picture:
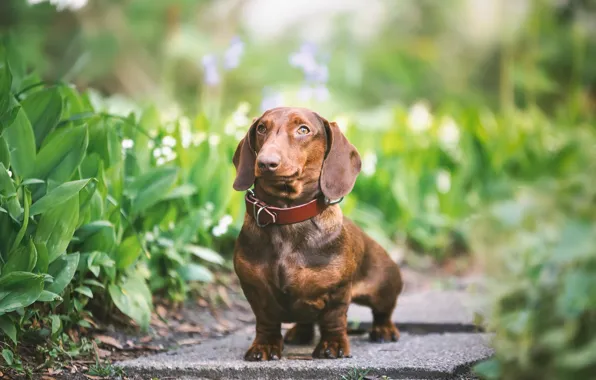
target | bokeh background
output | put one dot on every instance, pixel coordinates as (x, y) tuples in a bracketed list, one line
[(474, 119)]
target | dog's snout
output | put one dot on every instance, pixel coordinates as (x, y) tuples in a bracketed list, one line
[(268, 162)]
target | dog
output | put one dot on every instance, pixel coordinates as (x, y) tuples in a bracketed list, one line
[(297, 257)]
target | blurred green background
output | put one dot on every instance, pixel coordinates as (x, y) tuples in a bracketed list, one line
[(474, 119)]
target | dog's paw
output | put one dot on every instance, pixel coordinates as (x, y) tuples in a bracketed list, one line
[(384, 333), (262, 352), (336, 348), (300, 335)]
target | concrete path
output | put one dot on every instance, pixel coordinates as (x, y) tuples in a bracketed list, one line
[(438, 342)]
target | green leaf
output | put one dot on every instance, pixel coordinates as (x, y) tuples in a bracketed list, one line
[(128, 252), (22, 259), (32, 181), (19, 289), (196, 272), (44, 109), (8, 190), (9, 328), (133, 298), (205, 254), (9, 117), (56, 324), (63, 271), (56, 227), (8, 356), (182, 191), (21, 233), (4, 153), (94, 283), (43, 259), (489, 369), (84, 290), (59, 158), (21, 142), (58, 196), (5, 88), (97, 236), (47, 296), (150, 188)]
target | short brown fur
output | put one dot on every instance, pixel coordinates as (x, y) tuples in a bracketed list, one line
[(307, 272)]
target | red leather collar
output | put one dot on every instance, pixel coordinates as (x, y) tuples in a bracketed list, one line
[(265, 214)]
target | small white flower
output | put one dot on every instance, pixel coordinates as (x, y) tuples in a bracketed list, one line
[(214, 140), (226, 220), (419, 117), (9, 173), (449, 133), (209, 206), (160, 161), (443, 181), (166, 151), (369, 164), (169, 141), (219, 230), (127, 144), (157, 152)]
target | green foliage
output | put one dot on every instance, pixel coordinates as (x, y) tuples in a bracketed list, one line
[(544, 305), (79, 212)]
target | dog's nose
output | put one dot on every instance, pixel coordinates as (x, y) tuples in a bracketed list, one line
[(269, 162)]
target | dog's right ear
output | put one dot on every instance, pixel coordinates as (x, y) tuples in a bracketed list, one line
[(244, 161)]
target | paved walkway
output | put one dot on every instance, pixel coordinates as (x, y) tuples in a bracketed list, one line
[(438, 341)]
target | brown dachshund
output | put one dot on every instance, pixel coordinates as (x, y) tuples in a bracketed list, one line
[(297, 257)]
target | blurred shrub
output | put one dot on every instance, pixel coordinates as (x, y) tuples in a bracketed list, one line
[(542, 248)]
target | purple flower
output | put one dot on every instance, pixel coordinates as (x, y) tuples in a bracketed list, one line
[(233, 54), (316, 73), (321, 93), (211, 75)]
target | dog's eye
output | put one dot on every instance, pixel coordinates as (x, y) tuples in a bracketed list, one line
[(303, 130), (261, 129)]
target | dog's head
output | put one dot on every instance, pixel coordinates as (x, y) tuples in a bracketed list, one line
[(292, 151)]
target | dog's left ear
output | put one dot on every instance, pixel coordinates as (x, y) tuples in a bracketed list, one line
[(342, 163), (244, 161)]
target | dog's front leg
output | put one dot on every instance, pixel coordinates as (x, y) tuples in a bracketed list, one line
[(268, 342), (334, 343)]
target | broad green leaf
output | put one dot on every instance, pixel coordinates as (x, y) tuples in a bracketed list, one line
[(56, 324), (58, 159), (97, 236), (19, 289), (21, 233), (8, 356), (58, 196), (9, 328), (63, 271), (94, 283), (43, 259), (133, 298), (104, 140), (150, 188), (47, 296), (196, 272), (9, 117), (22, 259), (4, 153), (128, 252), (5, 88), (43, 109), (32, 181), (205, 253), (84, 290), (182, 191), (56, 227), (8, 190), (21, 143)]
